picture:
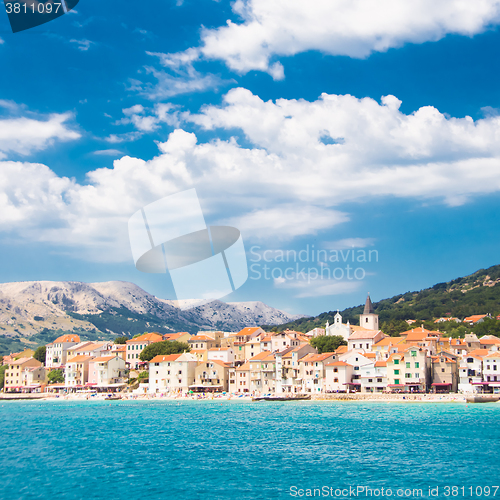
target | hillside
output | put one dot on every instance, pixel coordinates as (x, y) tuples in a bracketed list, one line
[(36, 312), (478, 293)]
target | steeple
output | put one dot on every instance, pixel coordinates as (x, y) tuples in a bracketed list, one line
[(369, 319), (368, 306)]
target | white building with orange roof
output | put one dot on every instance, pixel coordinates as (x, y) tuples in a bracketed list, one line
[(358, 359), (471, 371), (364, 339), (107, 371), (312, 370), (338, 328), (285, 339), (373, 376), (119, 350), (57, 351), (263, 372), (242, 379), (476, 318), (77, 371), (490, 342), (224, 354), (338, 376), (136, 345), (172, 373), (266, 342), (491, 371)]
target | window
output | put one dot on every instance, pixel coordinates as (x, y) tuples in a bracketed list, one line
[(396, 361), (335, 370), (396, 381), (336, 380), (417, 364), (407, 375), (407, 364), (396, 372), (370, 380), (379, 380), (413, 353), (442, 370)]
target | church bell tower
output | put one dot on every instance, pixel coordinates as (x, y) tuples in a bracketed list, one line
[(369, 319)]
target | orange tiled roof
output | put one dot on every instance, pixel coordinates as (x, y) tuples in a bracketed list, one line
[(147, 337), (380, 363), (70, 337), (475, 317), (364, 334), (80, 359), (165, 357), (388, 341), (248, 330), (489, 340), (103, 359), (479, 352), (201, 338)]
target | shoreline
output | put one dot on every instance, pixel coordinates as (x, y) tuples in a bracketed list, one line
[(343, 397)]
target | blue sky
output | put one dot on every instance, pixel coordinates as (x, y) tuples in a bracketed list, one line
[(343, 126)]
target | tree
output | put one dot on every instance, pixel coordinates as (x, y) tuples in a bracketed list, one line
[(55, 377), (327, 343), (2, 375), (162, 349), (121, 340), (40, 354)]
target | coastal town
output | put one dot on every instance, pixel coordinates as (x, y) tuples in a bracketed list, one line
[(255, 362)]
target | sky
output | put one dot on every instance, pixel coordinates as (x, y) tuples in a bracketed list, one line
[(355, 144)]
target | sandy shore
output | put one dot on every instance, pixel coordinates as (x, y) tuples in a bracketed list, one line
[(387, 398)]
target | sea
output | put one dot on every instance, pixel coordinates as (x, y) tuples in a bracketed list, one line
[(137, 450)]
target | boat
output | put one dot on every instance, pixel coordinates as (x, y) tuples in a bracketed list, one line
[(299, 397), (483, 398), (113, 398)]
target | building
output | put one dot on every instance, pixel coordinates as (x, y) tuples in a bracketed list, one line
[(136, 345), (107, 371), (409, 370), (369, 319), (211, 376), (14, 374), (338, 375), (76, 374), (57, 351), (338, 328), (172, 373), (444, 372), (224, 354), (312, 370)]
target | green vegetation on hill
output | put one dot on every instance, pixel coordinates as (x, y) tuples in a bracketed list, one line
[(478, 293), (125, 322)]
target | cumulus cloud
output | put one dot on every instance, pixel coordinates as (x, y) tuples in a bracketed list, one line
[(24, 135), (287, 184), (354, 28)]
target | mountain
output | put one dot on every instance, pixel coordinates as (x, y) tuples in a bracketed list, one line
[(36, 312), (478, 293)]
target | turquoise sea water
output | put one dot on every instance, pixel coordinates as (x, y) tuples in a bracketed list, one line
[(234, 450)]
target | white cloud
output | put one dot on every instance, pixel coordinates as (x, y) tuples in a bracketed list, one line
[(108, 152), (181, 76), (312, 286), (354, 28), (23, 135), (288, 184), (82, 45), (1, 41), (286, 221)]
